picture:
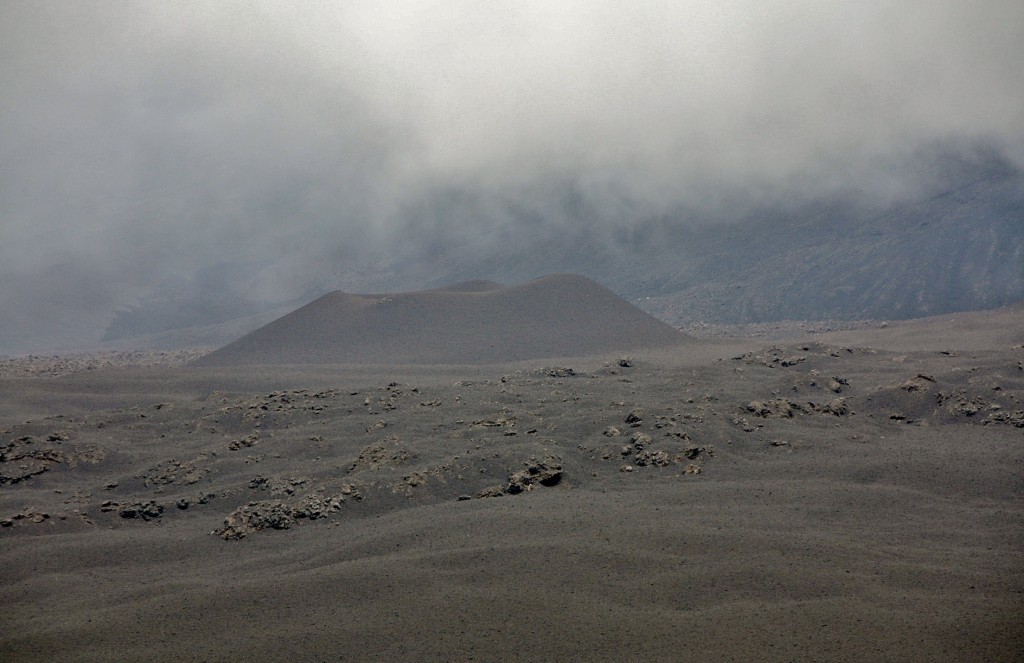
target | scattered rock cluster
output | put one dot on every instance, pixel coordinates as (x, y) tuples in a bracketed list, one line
[(277, 485), (66, 364), (919, 382), (773, 357), (640, 454), (177, 472), (144, 510), (22, 459), (28, 515), (558, 372), (257, 516), (1015, 419), (546, 472), (28, 456), (388, 452), (244, 443), (786, 408), (253, 517), (648, 427)]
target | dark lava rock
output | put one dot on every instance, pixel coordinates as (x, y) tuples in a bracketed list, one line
[(315, 506), (244, 443), (1015, 419), (640, 440), (547, 472), (759, 408), (836, 406), (146, 511), (645, 457), (253, 517)]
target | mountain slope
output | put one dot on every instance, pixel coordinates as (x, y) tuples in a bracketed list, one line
[(959, 251), (476, 322)]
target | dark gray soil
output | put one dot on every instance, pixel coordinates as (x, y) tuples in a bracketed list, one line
[(834, 498)]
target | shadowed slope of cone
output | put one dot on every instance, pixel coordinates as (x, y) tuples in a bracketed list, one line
[(474, 322)]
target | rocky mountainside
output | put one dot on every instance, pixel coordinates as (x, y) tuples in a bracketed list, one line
[(957, 251)]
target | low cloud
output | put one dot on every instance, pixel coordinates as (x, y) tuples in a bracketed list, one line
[(143, 142)]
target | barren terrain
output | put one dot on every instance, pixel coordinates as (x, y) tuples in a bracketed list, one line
[(851, 495)]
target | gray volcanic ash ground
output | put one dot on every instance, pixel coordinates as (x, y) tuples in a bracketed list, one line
[(853, 495)]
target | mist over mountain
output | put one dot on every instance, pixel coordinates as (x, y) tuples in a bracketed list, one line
[(960, 249), (208, 167), (957, 246)]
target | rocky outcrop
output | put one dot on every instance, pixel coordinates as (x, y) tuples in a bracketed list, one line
[(546, 472)]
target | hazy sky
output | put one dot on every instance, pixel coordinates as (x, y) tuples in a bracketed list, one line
[(143, 141)]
